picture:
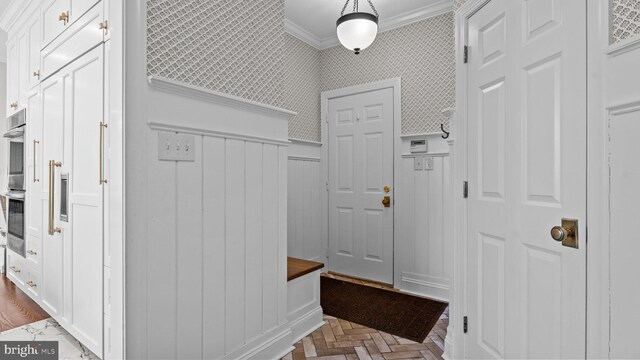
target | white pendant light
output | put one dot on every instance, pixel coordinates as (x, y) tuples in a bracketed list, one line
[(357, 30)]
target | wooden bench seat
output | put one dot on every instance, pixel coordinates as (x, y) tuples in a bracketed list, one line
[(299, 267)]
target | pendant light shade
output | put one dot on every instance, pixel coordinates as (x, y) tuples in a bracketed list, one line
[(357, 30)]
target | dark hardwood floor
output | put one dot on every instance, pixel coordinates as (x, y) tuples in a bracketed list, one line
[(16, 308)]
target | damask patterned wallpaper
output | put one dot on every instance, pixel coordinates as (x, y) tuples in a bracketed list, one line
[(625, 20), (422, 54), (302, 88), (209, 44)]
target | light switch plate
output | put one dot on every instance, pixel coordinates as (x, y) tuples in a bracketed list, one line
[(418, 163), (176, 146), (428, 163)]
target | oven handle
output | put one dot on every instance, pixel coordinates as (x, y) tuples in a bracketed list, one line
[(15, 133), (52, 166)]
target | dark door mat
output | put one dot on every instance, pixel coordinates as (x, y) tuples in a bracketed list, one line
[(399, 314)]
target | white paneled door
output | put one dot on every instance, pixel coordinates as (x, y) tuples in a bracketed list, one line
[(360, 163), (526, 171)]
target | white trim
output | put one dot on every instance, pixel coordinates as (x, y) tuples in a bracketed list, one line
[(214, 133), (427, 154), (623, 46), (300, 33), (305, 142), (12, 14), (396, 84), (204, 94), (304, 158), (420, 136), (628, 107), (394, 22)]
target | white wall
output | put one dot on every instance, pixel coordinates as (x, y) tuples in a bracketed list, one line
[(205, 240), (422, 202), (305, 235)]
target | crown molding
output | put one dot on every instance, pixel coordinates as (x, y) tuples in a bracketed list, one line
[(400, 20), (12, 13), (297, 31)]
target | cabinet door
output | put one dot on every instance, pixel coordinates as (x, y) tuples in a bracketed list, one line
[(12, 76), (83, 230), (79, 7), (23, 67), (34, 52), (53, 100), (33, 178), (56, 16)]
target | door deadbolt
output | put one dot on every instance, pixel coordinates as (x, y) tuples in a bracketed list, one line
[(567, 233)]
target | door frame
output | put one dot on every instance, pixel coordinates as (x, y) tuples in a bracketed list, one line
[(325, 96), (596, 332)]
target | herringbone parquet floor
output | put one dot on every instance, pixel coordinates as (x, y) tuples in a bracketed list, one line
[(342, 340)]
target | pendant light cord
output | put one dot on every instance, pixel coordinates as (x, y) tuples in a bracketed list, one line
[(356, 7)]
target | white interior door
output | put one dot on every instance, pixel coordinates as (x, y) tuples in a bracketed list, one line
[(526, 171), (360, 162)]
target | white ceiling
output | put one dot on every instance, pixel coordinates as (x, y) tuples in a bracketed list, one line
[(314, 21)]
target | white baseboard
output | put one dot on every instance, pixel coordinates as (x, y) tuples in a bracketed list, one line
[(273, 345), (448, 348), (306, 324)]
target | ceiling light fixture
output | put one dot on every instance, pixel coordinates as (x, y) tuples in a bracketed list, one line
[(357, 30)]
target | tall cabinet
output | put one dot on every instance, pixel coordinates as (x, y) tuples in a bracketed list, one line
[(57, 72)]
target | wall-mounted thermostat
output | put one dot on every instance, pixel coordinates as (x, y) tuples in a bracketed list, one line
[(419, 146)]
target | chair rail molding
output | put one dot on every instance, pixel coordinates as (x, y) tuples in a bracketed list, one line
[(204, 94)]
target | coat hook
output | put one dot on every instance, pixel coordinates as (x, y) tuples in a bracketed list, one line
[(446, 133)]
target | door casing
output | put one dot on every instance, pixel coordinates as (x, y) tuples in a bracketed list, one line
[(396, 84)]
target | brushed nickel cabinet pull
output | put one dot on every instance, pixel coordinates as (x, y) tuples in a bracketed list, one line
[(31, 283), (31, 252), (14, 269)]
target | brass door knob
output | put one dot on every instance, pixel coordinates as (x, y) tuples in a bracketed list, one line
[(558, 233), (567, 233), (387, 189), (386, 201)]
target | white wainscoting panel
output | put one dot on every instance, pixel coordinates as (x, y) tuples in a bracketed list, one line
[(305, 235), (422, 254), (206, 264)]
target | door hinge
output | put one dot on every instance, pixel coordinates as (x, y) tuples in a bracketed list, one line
[(327, 186), (465, 190), (327, 252), (465, 57), (465, 324)]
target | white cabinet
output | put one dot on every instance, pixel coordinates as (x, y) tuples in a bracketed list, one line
[(33, 179), (51, 295), (35, 42), (56, 70), (73, 116), (58, 15), (12, 76)]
